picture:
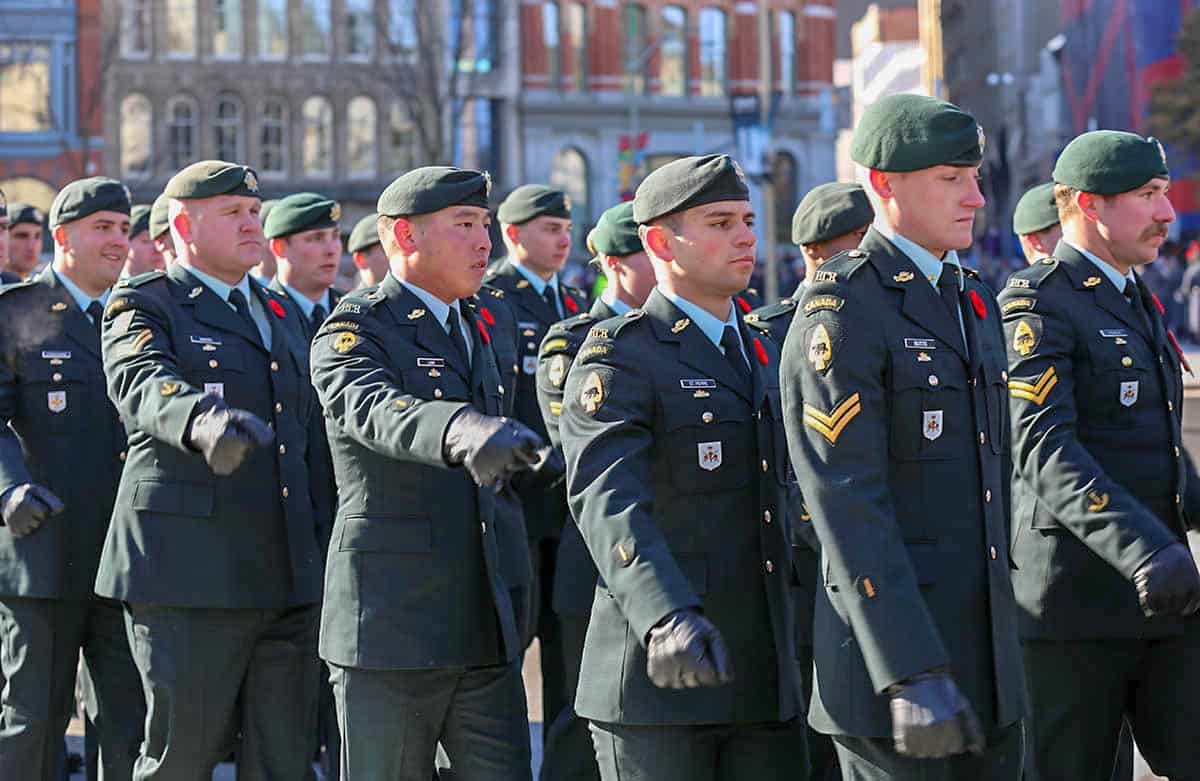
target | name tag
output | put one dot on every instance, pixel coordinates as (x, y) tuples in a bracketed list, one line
[(696, 384), (56, 355), (1113, 333), (431, 363), (214, 389), (527, 324), (920, 344), (204, 340)]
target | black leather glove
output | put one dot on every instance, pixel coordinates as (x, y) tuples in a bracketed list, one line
[(491, 448), (547, 473), (1168, 584), (26, 506), (932, 719), (225, 436), (686, 651)]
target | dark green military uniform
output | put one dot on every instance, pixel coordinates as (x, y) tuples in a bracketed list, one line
[(1102, 483), (57, 417), (220, 575), (417, 620)]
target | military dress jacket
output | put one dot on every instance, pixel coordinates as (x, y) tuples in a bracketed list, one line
[(1102, 481), (545, 508), (675, 476), (181, 535), (575, 574), (310, 328), (899, 438), (60, 432), (413, 577)]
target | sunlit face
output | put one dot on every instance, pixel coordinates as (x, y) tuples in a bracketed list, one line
[(712, 247), (544, 244), (143, 255), (225, 233), (636, 273), (24, 248), (451, 251), (96, 248), (935, 207), (1134, 224), (311, 258)]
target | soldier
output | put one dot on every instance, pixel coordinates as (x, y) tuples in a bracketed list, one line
[(535, 222), (417, 621), (668, 412), (160, 230), (213, 545), (57, 417), (1035, 221), (306, 243), (143, 254), (25, 224), (264, 272), (1103, 490), (367, 252), (830, 219), (6, 277), (619, 252), (893, 386)]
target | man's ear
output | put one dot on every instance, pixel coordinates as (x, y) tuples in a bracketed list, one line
[(880, 183), (360, 260), (183, 226), (513, 232), (278, 246), (1086, 203), (402, 234), (59, 234), (655, 238)]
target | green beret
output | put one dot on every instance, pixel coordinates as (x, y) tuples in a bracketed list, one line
[(19, 212), (533, 200), (433, 188), (139, 219), (264, 210), (1036, 211), (829, 211), (688, 182), (3, 204), (1108, 162), (160, 216), (210, 178), (301, 212), (84, 197), (616, 233), (364, 234), (911, 132)]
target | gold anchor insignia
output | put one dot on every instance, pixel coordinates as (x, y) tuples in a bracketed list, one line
[(416, 314), (680, 324), (904, 276)]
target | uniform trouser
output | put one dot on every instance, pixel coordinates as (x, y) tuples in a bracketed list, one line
[(555, 696), (718, 752), (875, 759), (392, 720), (327, 728), (822, 758), (569, 754), (1081, 691), (208, 672), (40, 641)]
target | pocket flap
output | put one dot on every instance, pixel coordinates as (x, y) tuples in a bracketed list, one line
[(386, 534), (173, 498)]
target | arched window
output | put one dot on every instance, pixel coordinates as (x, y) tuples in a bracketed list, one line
[(360, 138), (181, 131), (318, 138), (713, 78), (181, 28), (569, 172), (673, 51), (783, 175), (227, 129), (136, 147), (272, 138), (401, 135)]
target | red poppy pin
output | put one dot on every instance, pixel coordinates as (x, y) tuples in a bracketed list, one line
[(743, 304), (483, 332), (277, 308), (978, 305), (572, 307), (761, 352), (487, 316)]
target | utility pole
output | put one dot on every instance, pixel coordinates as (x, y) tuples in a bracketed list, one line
[(766, 72)]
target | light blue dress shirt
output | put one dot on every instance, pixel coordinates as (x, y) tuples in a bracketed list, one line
[(928, 264), (306, 304), (257, 313), (618, 306), (710, 326), (441, 310), (1110, 273), (82, 298), (539, 284)]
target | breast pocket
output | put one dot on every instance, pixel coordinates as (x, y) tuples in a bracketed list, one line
[(709, 444), (61, 397), (210, 370), (435, 384), (1118, 384), (927, 397)]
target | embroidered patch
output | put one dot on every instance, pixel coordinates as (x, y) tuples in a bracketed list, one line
[(344, 342), (1129, 393), (1096, 501), (591, 395), (342, 325), (931, 424), (168, 388), (710, 455), (1017, 305), (823, 304), (557, 372), (1018, 282), (832, 425), (56, 401), (1027, 335), (825, 276), (820, 350), (1034, 391)]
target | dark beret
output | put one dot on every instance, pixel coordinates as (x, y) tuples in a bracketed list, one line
[(160, 216), (530, 201), (689, 182), (139, 219), (911, 132), (301, 212), (3, 204), (264, 210), (1036, 211), (364, 235), (84, 197), (210, 178), (829, 211), (616, 233), (433, 188), (19, 212), (1108, 162)]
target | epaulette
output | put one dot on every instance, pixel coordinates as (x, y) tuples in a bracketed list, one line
[(571, 323), (608, 329), (359, 302), (785, 306), (564, 336), (757, 325), (843, 265), (1031, 277), (970, 273), (17, 285), (141, 279), (494, 292)]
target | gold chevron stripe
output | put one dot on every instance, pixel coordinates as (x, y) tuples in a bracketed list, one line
[(831, 426), (1035, 392)]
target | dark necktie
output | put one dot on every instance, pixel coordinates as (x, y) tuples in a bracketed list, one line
[(549, 294), (317, 317), (95, 311), (733, 354), (1134, 297), (456, 336), (948, 292), (243, 308)]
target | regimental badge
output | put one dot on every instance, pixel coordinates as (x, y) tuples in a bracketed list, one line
[(737, 169), (982, 138), (487, 183), (931, 425), (251, 181), (820, 349), (335, 212), (214, 389), (823, 303), (521, 285), (904, 276), (56, 401), (196, 291), (567, 201), (1025, 338), (558, 370), (416, 314), (1161, 152), (1129, 393), (825, 276), (709, 455), (591, 395), (529, 364), (344, 342), (923, 357), (680, 325), (1096, 501), (58, 306), (168, 388), (832, 424), (1091, 281)]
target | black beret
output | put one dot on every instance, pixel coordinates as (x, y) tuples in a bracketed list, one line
[(433, 188), (19, 212), (829, 211), (301, 212), (530, 201), (1036, 211), (1108, 162), (84, 197), (160, 216), (139, 219), (210, 178), (911, 132), (364, 235), (688, 182), (616, 233)]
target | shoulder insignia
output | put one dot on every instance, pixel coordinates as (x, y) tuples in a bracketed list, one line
[(557, 371), (495, 292), (758, 325), (769, 312), (142, 279), (1092, 281), (597, 333), (167, 388), (1018, 282), (116, 306), (141, 340), (824, 303), (680, 324), (970, 272), (904, 276), (1027, 335), (1034, 391), (348, 306), (553, 345), (845, 264), (341, 325), (1097, 501), (595, 351), (832, 425), (825, 276), (344, 342), (524, 283), (856, 253), (1018, 305), (592, 393), (751, 318), (820, 349)]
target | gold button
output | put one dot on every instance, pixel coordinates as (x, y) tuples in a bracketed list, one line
[(1177, 499), (1170, 406), (764, 465), (1177, 451), (282, 449), (483, 527), (274, 366), (982, 438), (766, 516), (1127, 361), (285, 492), (532, 346), (1004, 376), (213, 364), (993, 552), (987, 495), (501, 389), (57, 377), (707, 417), (437, 393), (278, 407), (933, 380), (770, 566), (121, 455)]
